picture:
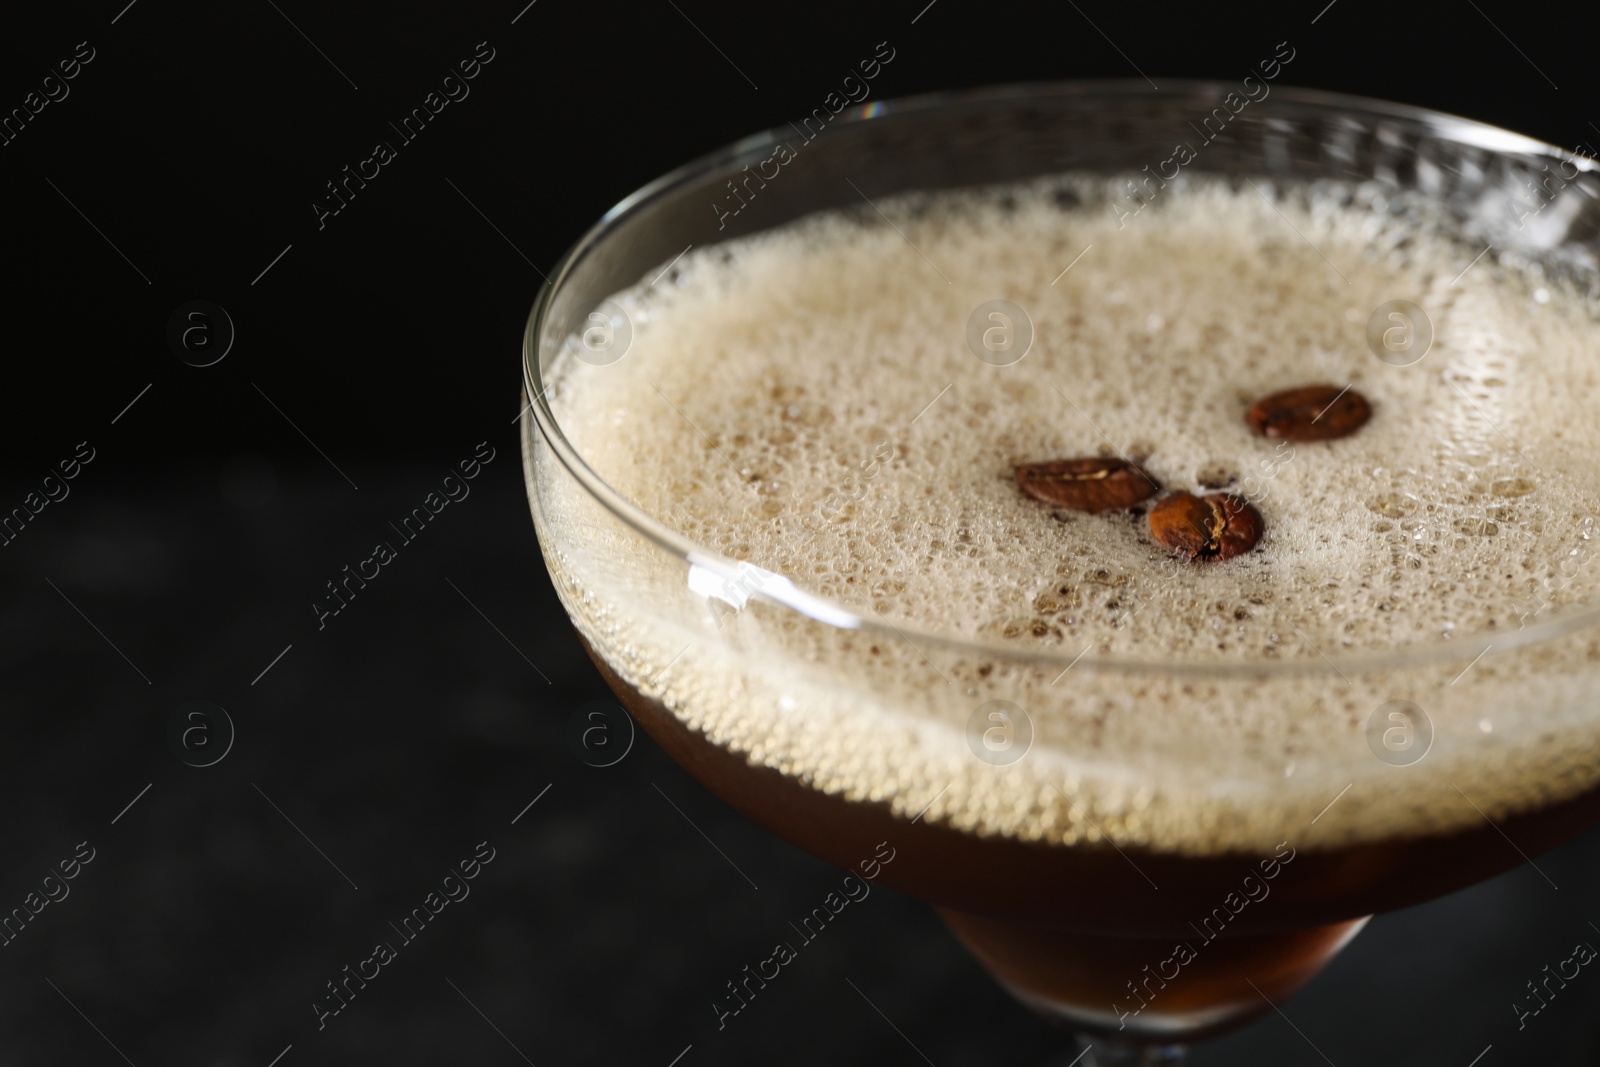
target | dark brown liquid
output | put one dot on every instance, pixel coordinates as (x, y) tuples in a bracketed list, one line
[(1086, 932)]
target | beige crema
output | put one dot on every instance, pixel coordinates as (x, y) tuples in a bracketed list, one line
[(807, 401)]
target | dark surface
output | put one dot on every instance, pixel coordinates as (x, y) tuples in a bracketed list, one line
[(376, 353)]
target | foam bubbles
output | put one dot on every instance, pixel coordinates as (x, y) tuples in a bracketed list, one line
[(804, 400), (808, 401)]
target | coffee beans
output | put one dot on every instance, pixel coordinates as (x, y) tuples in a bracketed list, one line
[(1216, 526), (1088, 484), (1310, 413)]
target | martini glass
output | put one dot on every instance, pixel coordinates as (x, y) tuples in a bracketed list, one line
[(789, 704)]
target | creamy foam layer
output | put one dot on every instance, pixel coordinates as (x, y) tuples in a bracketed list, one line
[(807, 401)]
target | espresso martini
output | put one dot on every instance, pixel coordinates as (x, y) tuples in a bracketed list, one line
[(1080, 740)]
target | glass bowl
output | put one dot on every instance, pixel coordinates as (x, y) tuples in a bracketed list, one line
[(1072, 861)]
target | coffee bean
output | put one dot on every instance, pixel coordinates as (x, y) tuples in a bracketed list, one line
[(1087, 484), (1310, 413), (1215, 526)]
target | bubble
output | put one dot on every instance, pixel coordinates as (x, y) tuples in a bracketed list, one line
[(1511, 487), (999, 333), (999, 732), (1477, 526), (1399, 733), (1392, 505)]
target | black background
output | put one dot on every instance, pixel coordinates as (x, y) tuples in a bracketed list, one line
[(425, 717)]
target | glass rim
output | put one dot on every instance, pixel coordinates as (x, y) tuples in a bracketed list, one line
[(1461, 130)]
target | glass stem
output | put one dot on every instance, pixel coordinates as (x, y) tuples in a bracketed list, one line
[(1105, 1052)]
